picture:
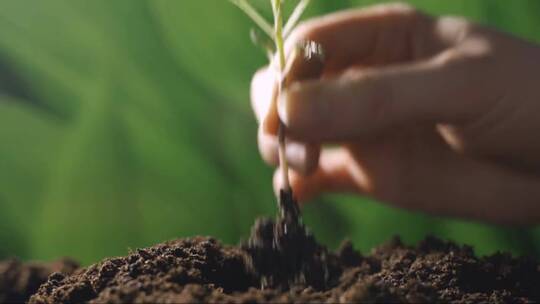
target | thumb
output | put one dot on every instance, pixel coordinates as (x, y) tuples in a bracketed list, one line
[(447, 88)]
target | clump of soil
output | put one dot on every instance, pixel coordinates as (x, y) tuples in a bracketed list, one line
[(18, 280), (282, 262), (284, 254)]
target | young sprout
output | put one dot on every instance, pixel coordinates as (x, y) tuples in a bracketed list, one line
[(277, 8), (277, 33)]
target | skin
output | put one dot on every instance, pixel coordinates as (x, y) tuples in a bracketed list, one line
[(438, 115)]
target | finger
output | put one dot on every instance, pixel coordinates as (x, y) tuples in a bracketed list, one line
[(262, 90), (474, 190), (334, 174), (379, 34), (467, 189), (368, 101), (416, 170), (301, 157)]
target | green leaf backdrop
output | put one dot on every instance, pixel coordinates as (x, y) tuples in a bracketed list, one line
[(124, 123)]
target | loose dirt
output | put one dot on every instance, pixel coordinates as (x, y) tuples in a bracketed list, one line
[(282, 262)]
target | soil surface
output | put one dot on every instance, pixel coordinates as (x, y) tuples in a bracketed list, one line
[(200, 270), (281, 262), (18, 280)]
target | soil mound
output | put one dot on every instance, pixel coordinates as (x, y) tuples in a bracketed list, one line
[(202, 270), (282, 262), (18, 280)]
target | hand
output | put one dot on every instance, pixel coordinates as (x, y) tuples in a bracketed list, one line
[(433, 114)]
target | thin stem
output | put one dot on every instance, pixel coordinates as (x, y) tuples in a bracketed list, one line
[(255, 16), (280, 47), (278, 33), (295, 17)]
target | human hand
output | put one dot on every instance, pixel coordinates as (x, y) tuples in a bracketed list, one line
[(431, 114)]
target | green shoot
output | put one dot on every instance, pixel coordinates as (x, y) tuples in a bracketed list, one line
[(277, 33)]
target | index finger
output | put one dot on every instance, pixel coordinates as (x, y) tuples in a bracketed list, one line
[(381, 34)]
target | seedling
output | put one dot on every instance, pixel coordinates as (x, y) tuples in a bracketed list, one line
[(273, 44)]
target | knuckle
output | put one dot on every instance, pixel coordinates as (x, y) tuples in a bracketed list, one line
[(403, 8), (398, 9), (392, 7), (267, 150), (457, 22), (269, 157), (452, 30)]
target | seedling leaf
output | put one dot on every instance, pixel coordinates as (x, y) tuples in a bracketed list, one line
[(252, 13), (295, 17)]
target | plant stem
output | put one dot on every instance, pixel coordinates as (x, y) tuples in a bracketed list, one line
[(280, 48)]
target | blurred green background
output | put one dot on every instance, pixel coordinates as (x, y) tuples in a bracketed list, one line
[(124, 123)]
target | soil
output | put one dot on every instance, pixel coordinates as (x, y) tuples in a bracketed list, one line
[(284, 254), (201, 270), (18, 280), (282, 262)]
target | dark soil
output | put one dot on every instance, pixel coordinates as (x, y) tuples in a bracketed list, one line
[(282, 262), (18, 280), (284, 254)]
